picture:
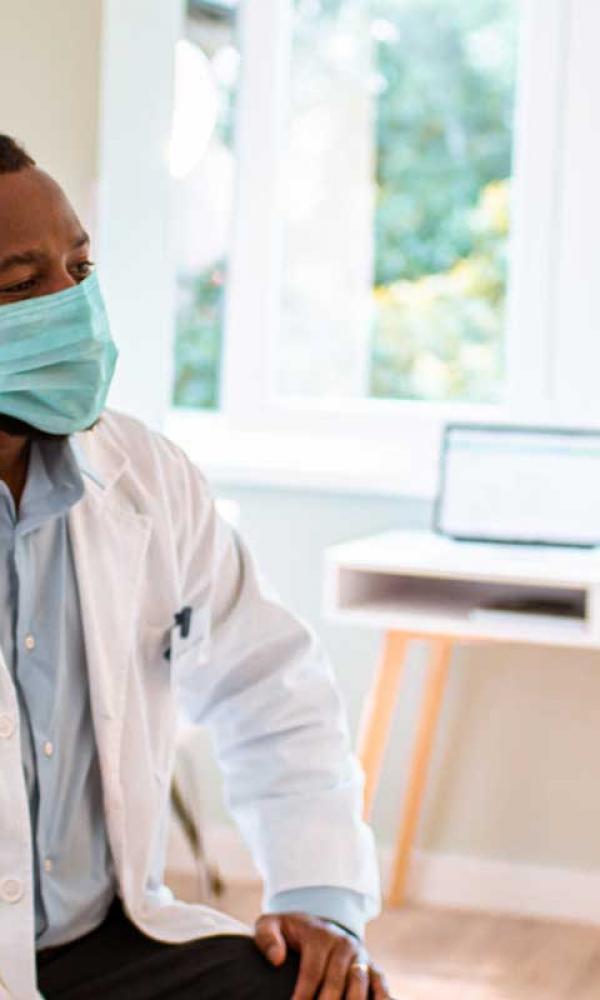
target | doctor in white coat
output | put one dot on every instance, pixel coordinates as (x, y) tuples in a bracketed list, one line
[(123, 594)]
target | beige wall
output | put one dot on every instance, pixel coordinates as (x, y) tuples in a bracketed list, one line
[(49, 88)]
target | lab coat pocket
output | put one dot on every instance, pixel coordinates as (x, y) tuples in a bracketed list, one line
[(172, 657), (189, 639)]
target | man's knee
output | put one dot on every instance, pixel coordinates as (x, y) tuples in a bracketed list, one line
[(231, 967), (266, 981)]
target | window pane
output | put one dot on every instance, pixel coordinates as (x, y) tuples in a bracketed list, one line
[(398, 171), (202, 165)]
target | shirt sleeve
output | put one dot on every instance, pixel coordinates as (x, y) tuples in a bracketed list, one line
[(344, 907)]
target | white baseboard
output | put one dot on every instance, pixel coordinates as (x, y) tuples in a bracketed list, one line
[(455, 881), (502, 887)]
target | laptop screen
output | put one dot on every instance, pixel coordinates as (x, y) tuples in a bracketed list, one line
[(520, 485)]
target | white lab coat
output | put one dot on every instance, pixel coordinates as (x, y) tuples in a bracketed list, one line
[(146, 544)]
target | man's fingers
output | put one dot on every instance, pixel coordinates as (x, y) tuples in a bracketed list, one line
[(336, 973), (379, 986), (358, 982), (269, 938), (313, 962), (341, 977)]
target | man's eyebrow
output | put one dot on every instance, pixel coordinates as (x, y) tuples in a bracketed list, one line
[(27, 257), (80, 241)]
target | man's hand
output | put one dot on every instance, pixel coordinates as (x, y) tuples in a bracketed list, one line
[(333, 965)]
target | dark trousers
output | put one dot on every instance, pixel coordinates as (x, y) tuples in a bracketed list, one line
[(117, 962)]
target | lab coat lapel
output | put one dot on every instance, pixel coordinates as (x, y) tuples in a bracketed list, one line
[(109, 544)]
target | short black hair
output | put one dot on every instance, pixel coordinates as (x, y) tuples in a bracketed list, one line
[(12, 156)]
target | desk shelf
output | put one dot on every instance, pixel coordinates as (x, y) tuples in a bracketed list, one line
[(417, 582)]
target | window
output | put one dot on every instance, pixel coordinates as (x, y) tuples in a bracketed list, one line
[(408, 218), (397, 170), (203, 167)]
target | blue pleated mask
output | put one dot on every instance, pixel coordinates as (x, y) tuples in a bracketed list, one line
[(57, 359)]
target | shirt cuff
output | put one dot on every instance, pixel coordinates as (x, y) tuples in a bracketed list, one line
[(342, 906)]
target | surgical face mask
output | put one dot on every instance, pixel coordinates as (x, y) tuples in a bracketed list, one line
[(57, 359)]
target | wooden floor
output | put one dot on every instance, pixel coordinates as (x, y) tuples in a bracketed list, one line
[(434, 954)]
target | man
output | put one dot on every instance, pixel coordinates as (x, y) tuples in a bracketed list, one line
[(122, 590)]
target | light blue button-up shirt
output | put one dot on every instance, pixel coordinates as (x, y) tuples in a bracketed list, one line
[(42, 641), (41, 636)]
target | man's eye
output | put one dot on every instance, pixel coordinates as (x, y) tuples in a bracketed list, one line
[(84, 269), (23, 286)]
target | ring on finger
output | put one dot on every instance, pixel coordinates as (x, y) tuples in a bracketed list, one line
[(362, 967)]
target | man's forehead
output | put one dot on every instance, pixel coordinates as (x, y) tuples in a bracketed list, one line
[(34, 212)]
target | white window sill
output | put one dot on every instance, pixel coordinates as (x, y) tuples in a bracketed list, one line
[(282, 459)]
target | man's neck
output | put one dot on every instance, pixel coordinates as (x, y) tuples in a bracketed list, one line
[(14, 461)]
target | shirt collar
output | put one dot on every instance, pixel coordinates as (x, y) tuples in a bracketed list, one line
[(53, 486)]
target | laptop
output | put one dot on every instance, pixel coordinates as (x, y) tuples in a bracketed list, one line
[(520, 485)]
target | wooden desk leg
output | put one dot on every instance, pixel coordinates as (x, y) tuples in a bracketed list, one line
[(437, 672), (379, 710)]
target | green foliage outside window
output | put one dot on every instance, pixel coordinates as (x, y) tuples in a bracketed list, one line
[(198, 340), (440, 336), (444, 93), (444, 139)]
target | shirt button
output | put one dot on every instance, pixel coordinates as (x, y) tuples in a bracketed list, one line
[(48, 865), (7, 726), (29, 643), (11, 890), (48, 748)]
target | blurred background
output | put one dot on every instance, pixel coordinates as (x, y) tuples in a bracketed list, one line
[(325, 228)]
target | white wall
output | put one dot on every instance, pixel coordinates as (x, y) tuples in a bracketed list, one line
[(578, 270)]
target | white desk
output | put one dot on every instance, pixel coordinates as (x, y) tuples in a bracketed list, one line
[(418, 585)]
